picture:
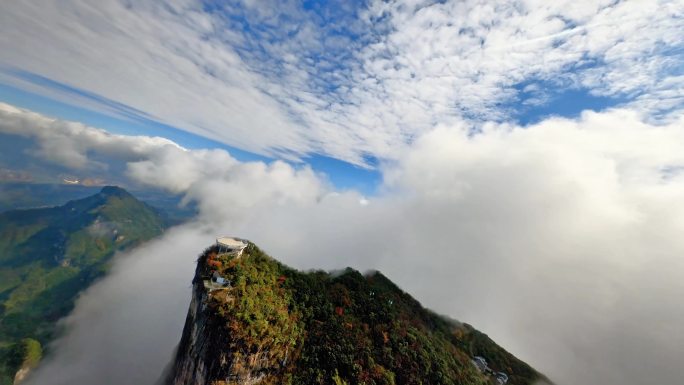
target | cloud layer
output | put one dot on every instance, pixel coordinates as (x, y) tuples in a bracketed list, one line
[(346, 80), (561, 240)]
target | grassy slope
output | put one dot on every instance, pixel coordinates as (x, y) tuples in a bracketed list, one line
[(48, 255), (344, 328)]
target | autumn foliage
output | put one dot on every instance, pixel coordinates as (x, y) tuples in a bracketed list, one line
[(316, 328)]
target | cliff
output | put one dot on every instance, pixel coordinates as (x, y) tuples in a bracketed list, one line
[(204, 353), (253, 320), (194, 359)]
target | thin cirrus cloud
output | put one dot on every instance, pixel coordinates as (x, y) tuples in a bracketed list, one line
[(349, 80)]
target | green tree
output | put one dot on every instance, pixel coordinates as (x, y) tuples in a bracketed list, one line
[(25, 354)]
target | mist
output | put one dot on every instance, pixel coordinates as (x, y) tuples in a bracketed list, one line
[(561, 240), (125, 326)]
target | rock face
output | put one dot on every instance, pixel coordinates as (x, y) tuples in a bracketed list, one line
[(255, 321), (191, 361), (21, 375), (205, 352)]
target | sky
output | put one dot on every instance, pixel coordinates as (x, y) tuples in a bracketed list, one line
[(513, 164), (348, 80)]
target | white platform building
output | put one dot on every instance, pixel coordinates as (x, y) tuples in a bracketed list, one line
[(230, 245)]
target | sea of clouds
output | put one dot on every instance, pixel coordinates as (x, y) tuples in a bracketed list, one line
[(562, 240)]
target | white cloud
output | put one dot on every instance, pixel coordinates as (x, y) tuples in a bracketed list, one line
[(297, 82), (68, 143), (562, 240), (213, 178), (151, 58)]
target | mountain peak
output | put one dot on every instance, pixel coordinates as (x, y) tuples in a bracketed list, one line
[(115, 191), (253, 320)]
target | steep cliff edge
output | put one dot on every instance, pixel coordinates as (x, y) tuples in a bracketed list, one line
[(253, 320), (190, 365), (205, 350)]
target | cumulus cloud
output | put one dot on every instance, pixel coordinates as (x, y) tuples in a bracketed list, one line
[(341, 80), (69, 143), (224, 187), (212, 178), (561, 240)]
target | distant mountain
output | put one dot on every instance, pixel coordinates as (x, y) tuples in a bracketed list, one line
[(49, 255), (253, 321), (15, 196)]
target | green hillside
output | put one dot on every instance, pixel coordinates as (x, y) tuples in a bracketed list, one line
[(290, 327), (49, 255)]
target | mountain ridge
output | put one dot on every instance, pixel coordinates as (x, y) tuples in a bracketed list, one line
[(266, 323), (27, 196), (49, 255)]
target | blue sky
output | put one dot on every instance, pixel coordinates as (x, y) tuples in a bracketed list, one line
[(342, 86)]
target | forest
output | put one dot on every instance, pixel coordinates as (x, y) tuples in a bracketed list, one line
[(341, 327)]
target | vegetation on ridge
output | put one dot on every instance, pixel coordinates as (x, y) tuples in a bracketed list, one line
[(283, 326)]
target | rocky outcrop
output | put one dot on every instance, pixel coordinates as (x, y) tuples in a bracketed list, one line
[(261, 322), (190, 366), (199, 352), (21, 375), (205, 352)]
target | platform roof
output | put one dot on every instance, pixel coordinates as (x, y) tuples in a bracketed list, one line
[(233, 243)]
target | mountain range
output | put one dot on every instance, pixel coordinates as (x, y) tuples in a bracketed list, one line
[(49, 255), (14, 196)]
